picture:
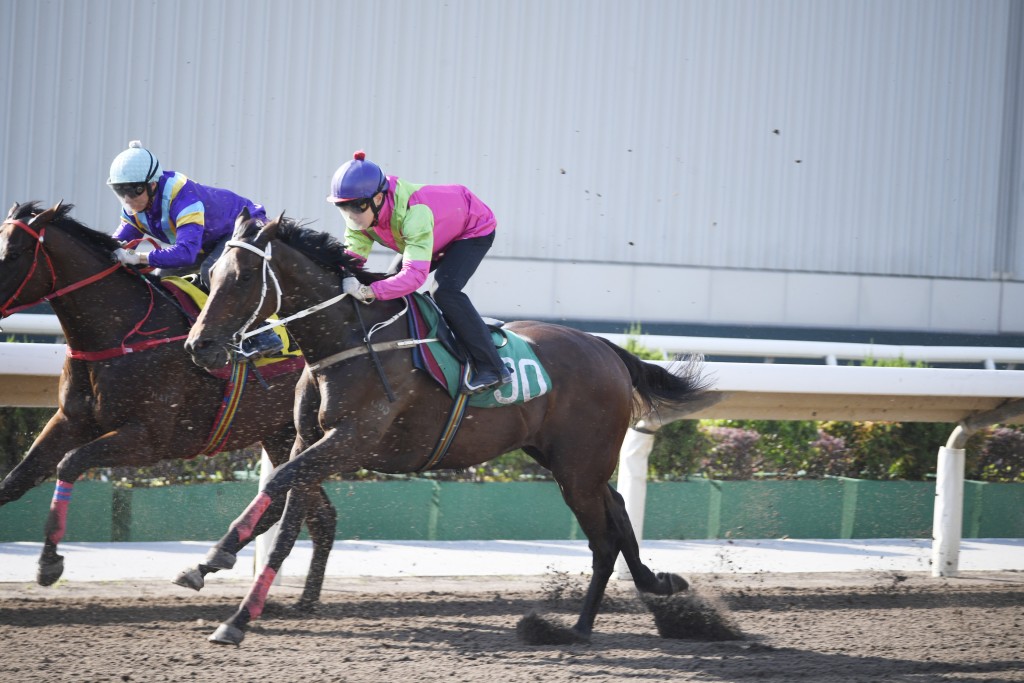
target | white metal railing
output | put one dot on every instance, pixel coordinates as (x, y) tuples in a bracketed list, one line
[(829, 352), (31, 323)]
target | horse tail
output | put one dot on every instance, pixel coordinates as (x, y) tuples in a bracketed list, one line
[(676, 388)]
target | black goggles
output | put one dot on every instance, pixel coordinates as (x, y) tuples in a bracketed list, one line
[(129, 190), (354, 205)]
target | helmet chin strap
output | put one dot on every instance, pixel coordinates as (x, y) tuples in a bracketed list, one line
[(376, 208)]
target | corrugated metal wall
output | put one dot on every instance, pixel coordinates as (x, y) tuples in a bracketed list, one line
[(871, 137)]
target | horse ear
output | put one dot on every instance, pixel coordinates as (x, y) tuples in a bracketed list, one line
[(47, 215), (240, 221), (269, 230), (13, 211)]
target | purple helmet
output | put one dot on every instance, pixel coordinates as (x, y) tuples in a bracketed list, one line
[(357, 179)]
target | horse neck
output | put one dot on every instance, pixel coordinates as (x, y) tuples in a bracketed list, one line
[(304, 284), (101, 313)]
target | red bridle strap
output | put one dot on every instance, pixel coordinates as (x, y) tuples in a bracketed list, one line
[(38, 237), (122, 350)]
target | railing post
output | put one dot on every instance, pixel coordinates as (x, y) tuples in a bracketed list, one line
[(949, 505)]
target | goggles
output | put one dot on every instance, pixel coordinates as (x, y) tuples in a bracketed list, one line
[(128, 190), (353, 206)]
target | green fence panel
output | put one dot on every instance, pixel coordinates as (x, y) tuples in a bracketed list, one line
[(772, 509), (887, 509), (384, 510), (200, 512), (679, 510), (421, 509), (505, 510), (993, 510), (89, 513)]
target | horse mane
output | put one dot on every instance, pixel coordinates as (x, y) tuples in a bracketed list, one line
[(321, 247), (62, 219), (101, 242)]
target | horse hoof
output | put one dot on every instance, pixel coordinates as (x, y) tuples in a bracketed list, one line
[(676, 583), (49, 572), (220, 559), (534, 629), (190, 578), (306, 606), (226, 634)]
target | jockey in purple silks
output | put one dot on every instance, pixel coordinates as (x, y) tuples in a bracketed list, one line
[(445, 228), (194, 221)]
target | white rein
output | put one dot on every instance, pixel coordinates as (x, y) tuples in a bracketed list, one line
[(267, 270)]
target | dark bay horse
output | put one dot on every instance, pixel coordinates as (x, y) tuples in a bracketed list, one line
[(128, 393), (346, 421)]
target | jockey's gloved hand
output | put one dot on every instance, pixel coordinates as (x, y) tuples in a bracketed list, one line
[(130, 257), (352, 287)]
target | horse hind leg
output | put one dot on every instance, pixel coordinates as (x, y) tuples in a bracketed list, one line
[(645, 580), (590, 505)]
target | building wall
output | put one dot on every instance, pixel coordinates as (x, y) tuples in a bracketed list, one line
[(779, 162)]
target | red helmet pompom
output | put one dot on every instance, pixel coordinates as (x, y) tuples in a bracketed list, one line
[(359, 155)]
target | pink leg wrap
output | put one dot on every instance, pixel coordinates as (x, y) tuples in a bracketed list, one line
[(59, 512), (257, 596), (252, 514)]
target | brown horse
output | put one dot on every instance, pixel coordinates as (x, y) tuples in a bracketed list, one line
[(346, 421), (128, 394)]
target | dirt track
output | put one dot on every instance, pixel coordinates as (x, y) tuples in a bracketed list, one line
[(813, 627)]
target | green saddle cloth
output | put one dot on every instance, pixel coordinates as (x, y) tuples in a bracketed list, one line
[(529, 378)]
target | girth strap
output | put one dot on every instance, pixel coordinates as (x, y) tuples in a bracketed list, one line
[(451, 428)]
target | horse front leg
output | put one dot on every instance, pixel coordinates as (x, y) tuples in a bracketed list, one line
[(110, 450), (232, 631), (261, 516)]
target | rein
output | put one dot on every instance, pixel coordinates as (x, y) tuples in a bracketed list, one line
[(370, 348)]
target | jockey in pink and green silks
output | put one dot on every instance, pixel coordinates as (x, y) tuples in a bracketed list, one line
[(442, 227)]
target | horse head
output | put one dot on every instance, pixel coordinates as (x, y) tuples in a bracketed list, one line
[(38, 263), (21, 245), (243, 291)]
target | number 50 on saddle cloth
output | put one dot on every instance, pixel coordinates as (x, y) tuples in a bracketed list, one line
[(529, 378)]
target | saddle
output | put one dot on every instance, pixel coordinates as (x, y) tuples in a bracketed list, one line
[(444, 359)]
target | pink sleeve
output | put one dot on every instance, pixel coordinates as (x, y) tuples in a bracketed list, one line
[(406, 281)]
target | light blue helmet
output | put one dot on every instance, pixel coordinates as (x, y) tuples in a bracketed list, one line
[(134, 165)]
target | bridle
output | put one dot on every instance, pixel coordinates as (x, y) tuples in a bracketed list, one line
[(269, 275), (40, 240)]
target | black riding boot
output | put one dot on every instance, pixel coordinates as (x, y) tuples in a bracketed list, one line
[(489, 370)]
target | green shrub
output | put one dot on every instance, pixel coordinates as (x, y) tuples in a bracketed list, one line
[(679, 449), (18, 429)]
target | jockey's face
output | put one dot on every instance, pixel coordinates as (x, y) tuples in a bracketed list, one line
[(358, 214), (134, 205)]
